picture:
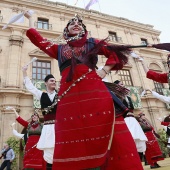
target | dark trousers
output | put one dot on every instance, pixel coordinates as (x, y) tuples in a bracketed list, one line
[(6, 164), (49, 166), (141, 156)]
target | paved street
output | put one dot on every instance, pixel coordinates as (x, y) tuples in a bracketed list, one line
[(165, 165)]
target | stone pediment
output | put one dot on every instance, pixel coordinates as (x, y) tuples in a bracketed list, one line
[(37, 52), (128, 65)]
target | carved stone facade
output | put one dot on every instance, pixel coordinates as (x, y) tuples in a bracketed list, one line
[(16, 50)]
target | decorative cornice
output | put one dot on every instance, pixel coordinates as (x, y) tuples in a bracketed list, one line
[(4, 110), (37, 52), (16, 40), (89, 14)]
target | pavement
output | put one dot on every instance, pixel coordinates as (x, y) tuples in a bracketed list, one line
[(165, 165)]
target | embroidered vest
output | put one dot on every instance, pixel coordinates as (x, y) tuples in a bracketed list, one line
[(65, 53), (34, 130), (45, 102)]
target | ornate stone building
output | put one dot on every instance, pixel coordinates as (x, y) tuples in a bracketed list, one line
[(50, 19)]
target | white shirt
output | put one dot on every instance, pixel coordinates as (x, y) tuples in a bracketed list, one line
[(17, 134), (36, 92), (164, 99)]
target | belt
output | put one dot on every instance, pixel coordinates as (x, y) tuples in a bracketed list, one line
[(49, 122), (67, 64)]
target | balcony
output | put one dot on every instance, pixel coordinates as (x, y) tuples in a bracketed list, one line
[(43, 25)]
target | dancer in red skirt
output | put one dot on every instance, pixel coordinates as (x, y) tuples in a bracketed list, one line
[(121, 151), (33, 157), (84, 118), (153, 152)]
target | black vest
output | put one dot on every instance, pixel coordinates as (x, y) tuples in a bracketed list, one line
[(45, 102)]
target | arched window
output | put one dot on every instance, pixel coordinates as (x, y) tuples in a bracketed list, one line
[(158, 86)]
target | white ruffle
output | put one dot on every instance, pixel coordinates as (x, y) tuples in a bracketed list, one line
[(47, 138), (135, 129), (137, 133)]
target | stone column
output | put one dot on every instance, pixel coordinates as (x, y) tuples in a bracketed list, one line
[(14, 58)]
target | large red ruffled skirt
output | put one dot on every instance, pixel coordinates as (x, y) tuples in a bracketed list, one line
[(83, 122), (123, 154), (153, 152), (33, 157)]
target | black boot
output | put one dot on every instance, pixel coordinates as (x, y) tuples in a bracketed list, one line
[(153, 166), (49, 166), (157, 165)]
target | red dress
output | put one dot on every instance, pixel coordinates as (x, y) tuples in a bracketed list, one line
[(153, 152), (33, 158), (85, 113), (123, 155)]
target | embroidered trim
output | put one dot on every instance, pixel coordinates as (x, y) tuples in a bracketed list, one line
[(90, 115), (49, 122), (82, 140), (119, 122), (80, 158)]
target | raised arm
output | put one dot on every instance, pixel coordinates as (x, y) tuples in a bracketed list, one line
[(29, 86), (162, 98), (155, 76), (165, 123), (158, 77), (145, 67), (17, 134), (38, 40), (19, 119)]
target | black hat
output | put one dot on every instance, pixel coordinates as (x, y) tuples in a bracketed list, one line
[(117, 82), (49, 76), (167, 118)]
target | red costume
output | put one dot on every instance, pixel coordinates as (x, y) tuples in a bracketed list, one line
[(153, 152), (123, 153), (33, 158), (158, 77), (85, 113)]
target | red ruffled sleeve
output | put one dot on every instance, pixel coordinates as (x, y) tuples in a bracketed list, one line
[(112, 58), (22, 122), (158, 77), (165, 123), (36, 39)]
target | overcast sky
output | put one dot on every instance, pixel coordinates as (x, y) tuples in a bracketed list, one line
[(153, 12)]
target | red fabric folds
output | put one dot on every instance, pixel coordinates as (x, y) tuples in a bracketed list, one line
[(83, 122), (33, 157), (153, 152), (123, 154)]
